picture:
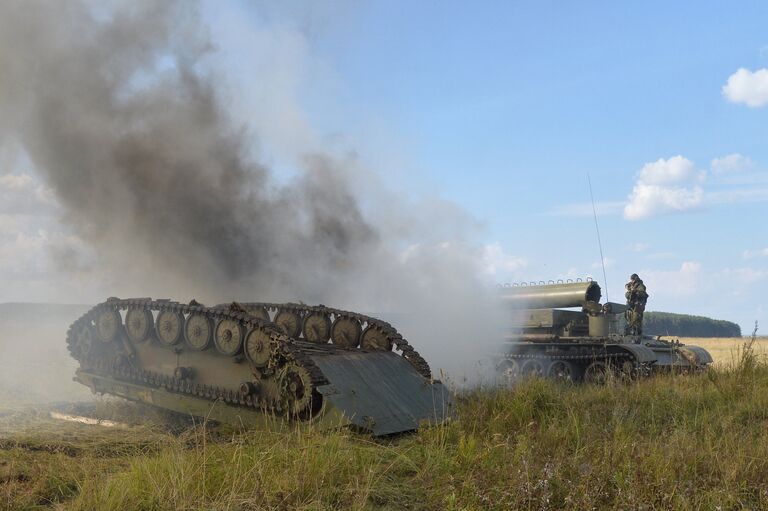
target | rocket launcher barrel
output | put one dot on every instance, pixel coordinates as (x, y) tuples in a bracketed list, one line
[(551, 296)]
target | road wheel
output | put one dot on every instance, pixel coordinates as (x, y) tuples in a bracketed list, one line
[(317, 327), (169, 327), (138, 324), (598, 372), (375, 339), (198, 331), (346, 332), (228, 336), (562, 371), (258, 347), (508, 372), (532, 368), (107, 325), (289, 322)]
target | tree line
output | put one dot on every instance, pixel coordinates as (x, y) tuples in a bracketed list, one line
[(686, 325)]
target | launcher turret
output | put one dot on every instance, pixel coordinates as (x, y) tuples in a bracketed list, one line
[(561, 330)]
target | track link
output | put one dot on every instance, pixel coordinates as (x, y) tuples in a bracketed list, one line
[(286, 354)]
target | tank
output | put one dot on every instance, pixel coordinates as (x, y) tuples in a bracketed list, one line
[(562, 331), (258, 364)]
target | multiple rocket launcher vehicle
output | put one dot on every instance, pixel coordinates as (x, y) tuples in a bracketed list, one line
[(260, 363), (589, 344)]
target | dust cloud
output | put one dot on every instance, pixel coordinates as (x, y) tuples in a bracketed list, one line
[(114, 107), (35, 367)]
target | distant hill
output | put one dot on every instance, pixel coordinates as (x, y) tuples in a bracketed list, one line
[(686, 325)]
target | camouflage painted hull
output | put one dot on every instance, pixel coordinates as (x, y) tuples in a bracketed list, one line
[(587, 344), (593, 360)]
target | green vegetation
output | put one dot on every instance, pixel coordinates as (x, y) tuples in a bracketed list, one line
[(675, 441), (685, 325)]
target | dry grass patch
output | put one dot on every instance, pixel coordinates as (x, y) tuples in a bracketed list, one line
[(727, 350), (670, 442)]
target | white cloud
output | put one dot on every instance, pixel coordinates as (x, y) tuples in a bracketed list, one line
[(682, 282), (748, 87), (665, 186), (498, 264), (664, 172), (731, 163), (639, 247), (652, 200), (751, 254), (675, 185)]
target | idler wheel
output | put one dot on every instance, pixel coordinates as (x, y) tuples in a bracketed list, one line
[(258, 347), (508, 372), (169, 327), (562, 370), (375, 339), (532, 368), (289, 322), (84, 341), (317, 327), (228, 337), (138, 324), (296, 391), (107, 325), (198, 331), (258, 312), (346, 332)]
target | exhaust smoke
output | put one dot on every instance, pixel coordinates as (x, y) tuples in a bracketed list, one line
[(118, 112)]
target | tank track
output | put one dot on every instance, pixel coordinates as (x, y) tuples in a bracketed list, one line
[(285, 353), (397, 340), (582, 363)]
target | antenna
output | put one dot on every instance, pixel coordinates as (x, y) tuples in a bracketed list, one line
[(599, 243)]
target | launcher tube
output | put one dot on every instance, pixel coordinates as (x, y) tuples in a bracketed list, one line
[(551, 296)]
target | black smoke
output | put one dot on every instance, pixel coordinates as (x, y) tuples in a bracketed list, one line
[(112, 108)]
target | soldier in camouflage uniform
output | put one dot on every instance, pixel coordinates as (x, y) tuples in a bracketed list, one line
[(637, 296)]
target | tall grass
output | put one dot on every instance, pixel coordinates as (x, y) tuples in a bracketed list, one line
[(677, 441)]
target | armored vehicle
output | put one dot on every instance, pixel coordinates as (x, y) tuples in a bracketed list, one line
[(258, 363), (561, 330)]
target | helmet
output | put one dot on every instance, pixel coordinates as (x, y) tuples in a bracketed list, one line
[(634, 276)]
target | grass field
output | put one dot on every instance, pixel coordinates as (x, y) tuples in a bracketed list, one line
[(680, 442), (726, 351)]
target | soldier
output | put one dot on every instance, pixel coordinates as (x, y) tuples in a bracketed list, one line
[(637, 296)]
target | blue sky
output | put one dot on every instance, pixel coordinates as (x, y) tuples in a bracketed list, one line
[(505, 107)]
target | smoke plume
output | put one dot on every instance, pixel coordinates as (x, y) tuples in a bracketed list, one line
[(145, 161), (115, 109)]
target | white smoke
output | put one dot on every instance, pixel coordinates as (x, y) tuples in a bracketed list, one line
[(142, 140)]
